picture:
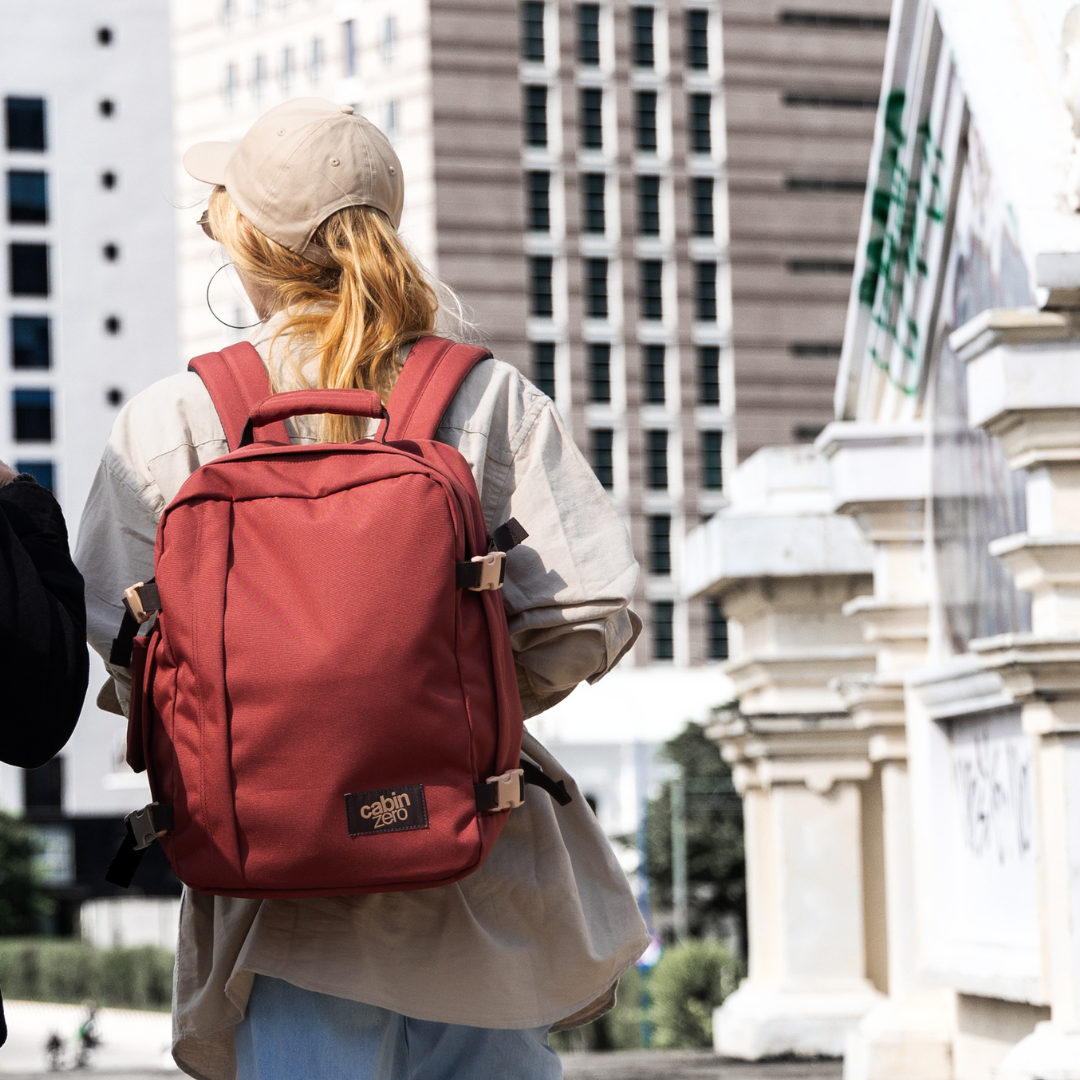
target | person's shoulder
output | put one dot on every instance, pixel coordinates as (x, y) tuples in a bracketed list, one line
[(172, 414), (493, 392)]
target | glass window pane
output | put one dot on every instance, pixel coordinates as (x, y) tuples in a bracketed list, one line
[(659, 545), (589, 35), (643, 37), (28, 266), (656, 460), (599, 372), (544, 367), (592, 186), (601, 456), (717, 629), (30, 342), (663, 630), (652, 304), (592, 119), (709, 374), (532, 31), (539, 188), (646, 121), (701, 123), (654, 356), (697, 40), (542, 295), (44, 472), (536, 115), (28, 197), (33, 415), (712, 473), (703, 206), (25, 123), (705, 291), (596, 298), (649, 205)]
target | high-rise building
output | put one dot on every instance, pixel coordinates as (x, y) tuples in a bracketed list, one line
[(802, 80), (564, 175), (87, 319)]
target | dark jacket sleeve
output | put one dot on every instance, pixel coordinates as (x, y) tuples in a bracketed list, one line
[(44, 663)]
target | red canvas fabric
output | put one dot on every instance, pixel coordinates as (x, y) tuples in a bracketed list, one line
[(312, 644)]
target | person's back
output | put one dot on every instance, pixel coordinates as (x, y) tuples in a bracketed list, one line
[(463, 980)]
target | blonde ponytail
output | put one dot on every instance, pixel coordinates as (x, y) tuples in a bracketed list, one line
[(353, 317)]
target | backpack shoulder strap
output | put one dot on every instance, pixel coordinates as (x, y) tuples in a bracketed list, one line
[(433, 373), (237, 380)]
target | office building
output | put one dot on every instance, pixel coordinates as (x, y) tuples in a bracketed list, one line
[(802, 80), (564, 176)]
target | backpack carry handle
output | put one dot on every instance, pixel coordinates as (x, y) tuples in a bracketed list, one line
[(279, 407)]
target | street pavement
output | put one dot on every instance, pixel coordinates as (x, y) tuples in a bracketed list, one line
[(135, 1046)]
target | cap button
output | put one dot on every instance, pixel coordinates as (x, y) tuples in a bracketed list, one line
[(347, 109)]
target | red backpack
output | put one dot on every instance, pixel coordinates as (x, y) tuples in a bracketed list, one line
[(326, 703)]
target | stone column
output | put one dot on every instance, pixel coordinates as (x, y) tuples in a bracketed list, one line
[(880, 478), (783, 567), (1024, 387)]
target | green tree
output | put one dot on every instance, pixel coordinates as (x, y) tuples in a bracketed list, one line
[(716, 868), (24, 901)]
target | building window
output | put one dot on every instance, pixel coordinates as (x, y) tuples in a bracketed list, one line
[(663, 630), (831, 101), (643, 37), (654, 356), (536, 115), (31, 342), (287, 67), (831, 21), (656, 470), (33, 415), (258, 76), (25, 123), (709, 374), (822, 349), (596, 305), (589, 35), (703, 206), (645, 114), (542, 294), (717, 630), (592, 119), (230, 84), (701, 123), (316, 59), (43, 788), (806, 433), (599, 371), (652, 279), (44, 472), (544, 367), (532, 31), (539, 188), (705, 291), (28, 197), (840, 267), (712, 472), (697, 40), (592, 187), (348, 51), (649, 205), (389, 38), (29, 269), (660, 545), (601, 454)]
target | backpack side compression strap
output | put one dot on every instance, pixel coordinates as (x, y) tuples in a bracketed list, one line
[(237, 380), (432, 375)]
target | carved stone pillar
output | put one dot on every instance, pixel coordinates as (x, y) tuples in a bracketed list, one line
[(1024, 387), (880, 478), (783, 567)]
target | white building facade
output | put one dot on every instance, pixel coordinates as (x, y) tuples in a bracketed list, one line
[(88, 314), (947, 817)]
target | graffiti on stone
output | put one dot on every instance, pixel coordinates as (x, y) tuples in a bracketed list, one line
[(994, 795)]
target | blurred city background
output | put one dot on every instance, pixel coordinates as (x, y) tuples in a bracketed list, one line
[(803, 279)]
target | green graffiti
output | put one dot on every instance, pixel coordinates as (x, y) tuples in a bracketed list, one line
[(901, 209)]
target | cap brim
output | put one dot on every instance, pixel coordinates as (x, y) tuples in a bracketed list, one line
[(206, 161)]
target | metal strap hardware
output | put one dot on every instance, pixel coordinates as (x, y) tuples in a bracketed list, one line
[(492, 567), (142, 601), (149, 823), (509, 789)]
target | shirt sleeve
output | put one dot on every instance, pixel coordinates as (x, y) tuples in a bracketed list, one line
[(568, 586), (115, 550), (43, 659)]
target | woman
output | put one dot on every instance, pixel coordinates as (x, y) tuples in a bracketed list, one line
[(463, 981)]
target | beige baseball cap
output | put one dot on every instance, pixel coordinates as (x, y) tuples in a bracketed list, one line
[(297, 164)]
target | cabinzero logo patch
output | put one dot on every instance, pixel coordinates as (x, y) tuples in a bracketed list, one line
[(397, 809)]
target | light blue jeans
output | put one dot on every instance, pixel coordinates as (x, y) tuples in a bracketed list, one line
[(290, 1033)]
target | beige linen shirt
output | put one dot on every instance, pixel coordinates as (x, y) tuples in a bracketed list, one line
[(543, 930)]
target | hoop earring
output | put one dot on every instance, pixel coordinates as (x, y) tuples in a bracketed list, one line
[(211, 306)]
